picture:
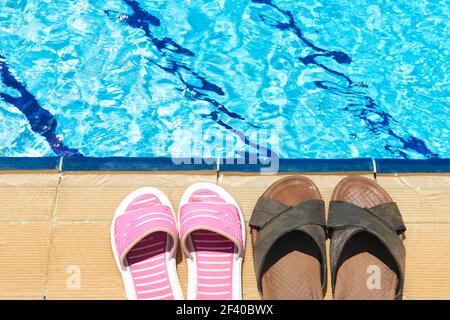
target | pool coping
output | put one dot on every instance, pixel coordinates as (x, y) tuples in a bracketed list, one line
[(159, 164)]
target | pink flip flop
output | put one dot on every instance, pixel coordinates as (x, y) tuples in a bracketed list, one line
[(144, 242), (212, 233)]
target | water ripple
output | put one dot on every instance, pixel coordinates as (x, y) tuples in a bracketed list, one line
[(126, 77), (360, 104)]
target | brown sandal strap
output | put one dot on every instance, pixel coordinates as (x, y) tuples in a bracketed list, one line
[(341, 213), (268, 209), (389, 213)]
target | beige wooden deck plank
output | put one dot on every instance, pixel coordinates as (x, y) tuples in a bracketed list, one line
[(24, 251), (86, 204), (421, 198), (427, 261), (81, 263), (427, 277), (85, 249), (27, 196), (95, 196)]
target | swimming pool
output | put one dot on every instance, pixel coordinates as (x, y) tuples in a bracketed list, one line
[(310, 79)]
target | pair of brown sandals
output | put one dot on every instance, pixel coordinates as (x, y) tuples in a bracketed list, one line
[(367, 255)]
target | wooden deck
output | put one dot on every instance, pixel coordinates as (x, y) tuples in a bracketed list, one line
[(55, 227)]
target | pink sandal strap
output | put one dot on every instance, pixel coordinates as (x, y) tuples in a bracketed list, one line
[(132, 227), (220, 218)]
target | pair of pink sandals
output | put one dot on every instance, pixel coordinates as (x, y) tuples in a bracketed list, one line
[(211, 229)]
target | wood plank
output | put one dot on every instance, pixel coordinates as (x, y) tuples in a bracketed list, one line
[(95, 197), (80, 237), (427, 261), (24, 249), (81, 263), (27, 196), (420, 198)]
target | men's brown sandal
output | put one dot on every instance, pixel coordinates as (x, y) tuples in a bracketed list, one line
[(288, 236), (367, 255)]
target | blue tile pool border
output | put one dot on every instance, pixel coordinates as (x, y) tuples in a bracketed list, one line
[(300, 165), (79, 164), (29, 163), (412, 166), (136, 164)]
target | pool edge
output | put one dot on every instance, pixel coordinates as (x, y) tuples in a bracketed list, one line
[(225, 166)]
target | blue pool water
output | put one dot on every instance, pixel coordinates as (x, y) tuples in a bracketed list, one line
[(305, 79)]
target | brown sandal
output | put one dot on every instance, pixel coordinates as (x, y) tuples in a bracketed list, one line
[(288, 235), (367, 255)]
